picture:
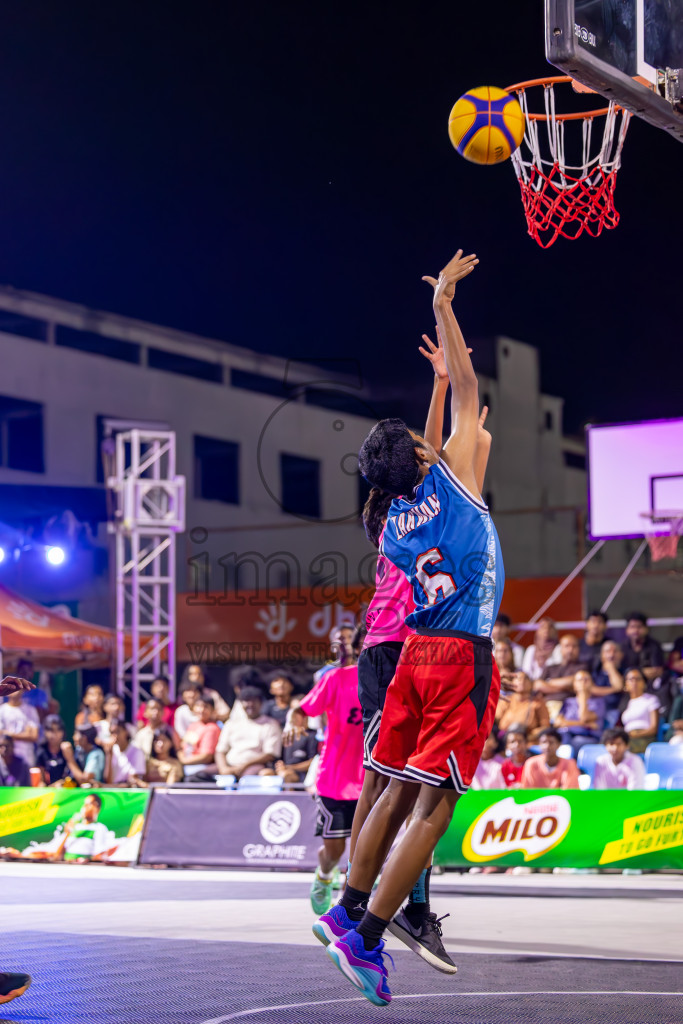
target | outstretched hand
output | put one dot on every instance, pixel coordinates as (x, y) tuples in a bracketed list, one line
[(10, 684), (435, 354), (482, 433), (460, 266)]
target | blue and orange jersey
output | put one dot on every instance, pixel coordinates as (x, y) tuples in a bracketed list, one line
[(443, 539)]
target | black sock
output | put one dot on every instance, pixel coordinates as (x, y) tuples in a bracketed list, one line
[(417, 906), (372, 929), (355, 902)]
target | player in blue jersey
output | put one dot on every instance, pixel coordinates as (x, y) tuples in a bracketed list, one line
[(440, 705)]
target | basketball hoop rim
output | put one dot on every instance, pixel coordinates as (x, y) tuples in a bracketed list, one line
[(555, 80)]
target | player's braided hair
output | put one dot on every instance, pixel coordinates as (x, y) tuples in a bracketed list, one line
[(387, 457), (375, 513)]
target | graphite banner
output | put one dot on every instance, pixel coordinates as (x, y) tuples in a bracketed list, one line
[(566, 828), (230, 829), (71, 824)]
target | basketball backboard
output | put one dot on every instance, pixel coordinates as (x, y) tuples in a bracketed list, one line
[(633, 468), (630, 51)]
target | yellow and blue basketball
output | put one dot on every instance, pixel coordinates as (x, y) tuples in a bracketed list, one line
[(486, 125)]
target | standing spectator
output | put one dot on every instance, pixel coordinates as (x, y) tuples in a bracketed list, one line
[(489, 774), (505, 660), (618, 768), (13, 769), (641, 650), (558, 679), (640, 717), (92, 706), (582, 717), (50, 756), (548, 771), (21, 721), (125, 765), (516, 754), (159, 691), (522, 706), (114, 712), (185, 715), (249, 745), (197, 753), (86, 762), (543, 651), (609, 682), (590, 646), (196, 674), (278, 707), (154, 715), (163, 765), (501, 631)]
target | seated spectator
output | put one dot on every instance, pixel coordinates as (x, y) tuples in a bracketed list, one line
[(199, 742), (522, 706), (114, 712), (618, 768), (675, 718), (163, 765), (543, 651), (144, 737), (50, 756), (125, 765), (249, 746), (590, 645), (86, 762), (13, 769), (505, 660), (489, 774), (184, 715), (297, 757), (22, 722), (640, 717), (641, 650), (501, 631), (516, 754), (281, 690), (196, 674), (608, 680), (548, 771), (92, 706), (582, 717), (159, 691), (557, 680), (676, 657)]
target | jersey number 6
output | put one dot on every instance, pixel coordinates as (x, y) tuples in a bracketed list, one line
[(433, 582)]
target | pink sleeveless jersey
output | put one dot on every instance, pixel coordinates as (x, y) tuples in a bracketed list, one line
[(391, 602), (340, 770)]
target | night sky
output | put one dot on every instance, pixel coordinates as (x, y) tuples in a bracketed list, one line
[(279, 176)]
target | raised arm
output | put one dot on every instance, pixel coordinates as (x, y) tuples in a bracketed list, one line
[(482, 450), (459, 450), (434, 425)]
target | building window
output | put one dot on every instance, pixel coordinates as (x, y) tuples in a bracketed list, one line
[(574, 460), (216, 470), (486, 401), (488, 500), (300, 489), (548, 420), (21, 435)]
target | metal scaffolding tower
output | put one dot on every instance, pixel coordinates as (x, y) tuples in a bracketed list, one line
[(147, 511)]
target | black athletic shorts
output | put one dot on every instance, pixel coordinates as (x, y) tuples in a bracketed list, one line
[(376, 669), (335, 817)]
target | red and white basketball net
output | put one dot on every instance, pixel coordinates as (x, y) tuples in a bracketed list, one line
[(664, 545), (560, 198)]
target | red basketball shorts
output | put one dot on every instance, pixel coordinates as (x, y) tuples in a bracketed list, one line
[(438, 711)]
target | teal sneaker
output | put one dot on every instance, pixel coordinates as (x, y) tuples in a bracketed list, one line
[(333, 925), (363, 967), (321, 894)]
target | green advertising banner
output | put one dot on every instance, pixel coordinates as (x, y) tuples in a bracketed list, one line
[(568, 828), (71, 824)]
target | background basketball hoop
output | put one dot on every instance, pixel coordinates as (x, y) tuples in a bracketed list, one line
[(662, 531), (561, 198)]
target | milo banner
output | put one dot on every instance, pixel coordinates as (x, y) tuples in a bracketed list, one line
[(230, 829), (71, 824), (567, 828)]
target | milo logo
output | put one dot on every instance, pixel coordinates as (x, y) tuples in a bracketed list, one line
[(534, 828)]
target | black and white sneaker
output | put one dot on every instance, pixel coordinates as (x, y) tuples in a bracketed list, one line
[(425, 940), (12, 986)]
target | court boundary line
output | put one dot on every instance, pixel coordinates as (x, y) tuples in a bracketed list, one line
[(426, 995)]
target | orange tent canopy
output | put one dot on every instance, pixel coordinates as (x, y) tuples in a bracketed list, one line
[(50, 640)]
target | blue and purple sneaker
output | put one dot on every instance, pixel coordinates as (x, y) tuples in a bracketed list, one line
[(332, 925), (363, 967)]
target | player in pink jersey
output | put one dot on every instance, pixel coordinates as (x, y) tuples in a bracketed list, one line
[(340, 769)]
